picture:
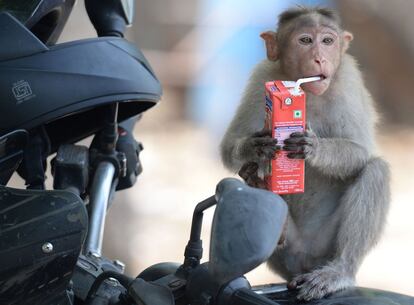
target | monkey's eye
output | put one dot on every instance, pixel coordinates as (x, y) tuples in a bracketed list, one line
[(305, 40), (328, 40)]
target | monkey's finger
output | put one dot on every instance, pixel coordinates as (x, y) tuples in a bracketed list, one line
[(291, 147), (292, 285), (299, 140), (300, 283), (306, 288), (297, 282), (248, 169), (294, 148), (264, 141), (270, 151), (263, 133), (296, 156), (312, 290), (259, 152), (297, 134), (268, 154), (292, 140), (259, 183), (250, 182)]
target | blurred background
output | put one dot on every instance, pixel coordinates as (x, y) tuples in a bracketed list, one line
[(203, 52)]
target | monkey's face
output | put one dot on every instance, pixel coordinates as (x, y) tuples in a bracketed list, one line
[(312, 51)]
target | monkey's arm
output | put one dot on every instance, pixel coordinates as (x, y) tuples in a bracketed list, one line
[(336, 157), (245, 140)]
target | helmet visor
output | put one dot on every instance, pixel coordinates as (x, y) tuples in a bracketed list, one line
[(20, 9)]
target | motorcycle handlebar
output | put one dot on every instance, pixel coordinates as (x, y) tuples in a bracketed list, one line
[(100, 195)]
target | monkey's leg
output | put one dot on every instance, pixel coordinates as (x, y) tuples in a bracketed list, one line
[(363, 209)]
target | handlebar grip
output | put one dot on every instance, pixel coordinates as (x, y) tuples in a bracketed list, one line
[(245, 296)]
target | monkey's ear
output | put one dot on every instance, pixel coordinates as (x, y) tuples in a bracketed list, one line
[(271, 46), (347, 37)]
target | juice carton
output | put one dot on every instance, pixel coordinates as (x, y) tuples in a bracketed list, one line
[(285, 114)]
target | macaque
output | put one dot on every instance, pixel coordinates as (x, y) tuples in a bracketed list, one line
[(341, 214)]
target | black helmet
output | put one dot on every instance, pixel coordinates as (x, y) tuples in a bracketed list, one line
[(66, 87), (44, 18)]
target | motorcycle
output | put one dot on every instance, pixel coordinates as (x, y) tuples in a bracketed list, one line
[(53, 95)]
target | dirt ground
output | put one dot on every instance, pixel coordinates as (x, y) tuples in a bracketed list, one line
[(152, 220)]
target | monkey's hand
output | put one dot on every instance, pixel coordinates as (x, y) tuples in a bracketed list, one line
[(320, 282), (301, 145), (249, 173), (259, 146)]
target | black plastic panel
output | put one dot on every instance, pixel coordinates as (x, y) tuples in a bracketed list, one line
[(29, 274)]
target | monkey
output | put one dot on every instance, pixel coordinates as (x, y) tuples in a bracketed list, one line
[(342, 213)]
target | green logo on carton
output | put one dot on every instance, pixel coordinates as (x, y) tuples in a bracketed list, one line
[(297, 114)]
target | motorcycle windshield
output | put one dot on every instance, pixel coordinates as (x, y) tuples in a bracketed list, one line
[(20, 9)]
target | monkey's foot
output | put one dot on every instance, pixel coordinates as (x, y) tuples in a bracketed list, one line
[(320, 282), (249, 173)]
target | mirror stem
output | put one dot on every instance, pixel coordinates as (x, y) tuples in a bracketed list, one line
[(198, 217), (194, 249)]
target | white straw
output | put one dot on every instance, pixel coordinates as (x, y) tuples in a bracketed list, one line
[(303, 81)]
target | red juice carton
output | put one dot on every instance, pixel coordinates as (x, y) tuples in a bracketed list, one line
[(285, 114)]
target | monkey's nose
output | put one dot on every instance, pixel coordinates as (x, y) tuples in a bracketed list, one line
[(320, 60)]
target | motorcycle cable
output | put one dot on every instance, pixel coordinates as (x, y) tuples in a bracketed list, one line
[(124, 280)]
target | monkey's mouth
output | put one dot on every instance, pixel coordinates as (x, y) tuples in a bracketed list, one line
[(322, 76), (317, 87)]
